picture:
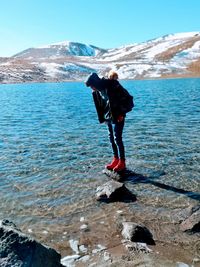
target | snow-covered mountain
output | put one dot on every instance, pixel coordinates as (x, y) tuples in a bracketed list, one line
[(174, 55), (61, 49)]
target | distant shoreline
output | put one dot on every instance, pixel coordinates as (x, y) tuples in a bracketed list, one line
[(82, 81)]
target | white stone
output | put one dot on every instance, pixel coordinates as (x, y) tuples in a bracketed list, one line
[(68, 261), (181, 264), (119, 211), (84, 227), (106, 256), (83, 249), (82, 219), (98, 249), (74, 245)]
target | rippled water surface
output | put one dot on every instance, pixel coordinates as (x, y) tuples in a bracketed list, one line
[(52, 149)]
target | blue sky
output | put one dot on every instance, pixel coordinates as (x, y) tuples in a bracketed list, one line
[(104, 23)]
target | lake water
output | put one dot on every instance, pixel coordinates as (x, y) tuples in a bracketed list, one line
[(53, 150)]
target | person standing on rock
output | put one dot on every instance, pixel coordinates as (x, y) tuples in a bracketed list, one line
[(112, 102)]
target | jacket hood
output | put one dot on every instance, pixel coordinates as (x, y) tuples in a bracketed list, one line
[(94, 81)]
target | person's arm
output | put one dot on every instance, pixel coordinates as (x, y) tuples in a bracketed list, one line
[(97, 101)]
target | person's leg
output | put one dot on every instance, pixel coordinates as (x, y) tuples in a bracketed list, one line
[(112, 140), (114, 148), (118, 130)]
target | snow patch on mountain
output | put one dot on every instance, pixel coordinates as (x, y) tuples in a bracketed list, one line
[(61, 49), (181, 35), (77, 68), (183, 58), (54, 69), (64, 43), (192, 52), (161, 47), (72, 48), (51, 69), (150, 48)]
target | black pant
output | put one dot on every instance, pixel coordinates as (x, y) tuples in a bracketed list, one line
[(115, 136)]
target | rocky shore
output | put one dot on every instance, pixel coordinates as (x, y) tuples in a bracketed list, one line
[(124, 232)]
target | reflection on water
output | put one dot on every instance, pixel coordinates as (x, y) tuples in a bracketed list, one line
[(52, 149)]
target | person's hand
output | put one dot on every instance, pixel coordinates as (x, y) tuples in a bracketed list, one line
[(93, 88), (120, 118)]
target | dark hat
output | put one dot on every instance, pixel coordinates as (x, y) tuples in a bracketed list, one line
[(93, 80)]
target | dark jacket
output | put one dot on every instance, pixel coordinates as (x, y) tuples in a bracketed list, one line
[(116, 95)]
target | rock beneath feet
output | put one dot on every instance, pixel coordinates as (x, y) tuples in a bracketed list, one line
[(17, 249), (137, 233), (114, 191)]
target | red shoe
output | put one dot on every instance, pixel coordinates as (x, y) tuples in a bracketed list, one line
[(113, 164), (120, 166)]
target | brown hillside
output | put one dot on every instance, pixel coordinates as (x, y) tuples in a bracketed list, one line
[(171, 52), (194, 67)]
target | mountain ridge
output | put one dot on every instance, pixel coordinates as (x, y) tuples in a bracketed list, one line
[(172, 55)]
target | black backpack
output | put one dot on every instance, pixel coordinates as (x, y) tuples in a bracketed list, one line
[(127, 100)]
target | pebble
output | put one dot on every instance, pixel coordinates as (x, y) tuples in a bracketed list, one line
[(82, 219), (84, 227), (119, 211)]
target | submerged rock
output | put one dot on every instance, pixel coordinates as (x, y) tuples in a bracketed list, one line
[(114, 191), (136, 246), (137, 233), (186, 213), (17, 249), (192, 223)]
